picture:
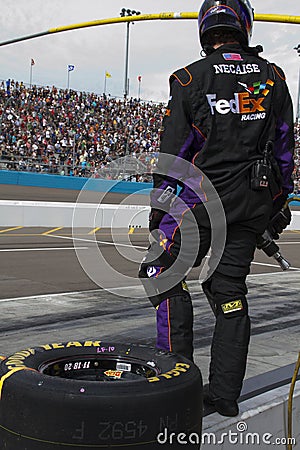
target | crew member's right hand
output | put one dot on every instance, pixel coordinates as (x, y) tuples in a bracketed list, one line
[(279, 222)]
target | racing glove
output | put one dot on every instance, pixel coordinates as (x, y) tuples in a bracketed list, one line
[(279, 222), (155, 217)]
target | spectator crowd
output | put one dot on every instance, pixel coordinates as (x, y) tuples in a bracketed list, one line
[(59, 131)]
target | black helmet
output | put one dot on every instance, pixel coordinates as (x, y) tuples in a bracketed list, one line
[(235, 15)]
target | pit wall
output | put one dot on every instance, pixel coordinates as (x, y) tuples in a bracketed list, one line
[(61, 214)]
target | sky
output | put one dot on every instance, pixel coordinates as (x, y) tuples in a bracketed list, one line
[(157, 48)]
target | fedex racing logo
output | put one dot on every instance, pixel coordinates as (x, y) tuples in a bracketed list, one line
[(243, 103)]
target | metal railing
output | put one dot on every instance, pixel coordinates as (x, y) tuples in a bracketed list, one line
[(126, 168)]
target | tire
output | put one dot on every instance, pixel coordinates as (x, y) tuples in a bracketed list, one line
[(94, 395)]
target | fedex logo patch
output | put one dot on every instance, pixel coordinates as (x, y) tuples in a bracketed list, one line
[(242, 103)]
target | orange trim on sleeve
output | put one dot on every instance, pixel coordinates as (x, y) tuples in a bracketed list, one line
[(178, 226), (204, 193), (160, 270), (171, 245), (278, 195), (184, 84), (199, 131), (193, 160), (202, 177), (280, 76)]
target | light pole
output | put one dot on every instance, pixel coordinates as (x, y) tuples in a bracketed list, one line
[(298, 98), (127, 13)]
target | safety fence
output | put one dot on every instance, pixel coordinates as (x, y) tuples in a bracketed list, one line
[(127, 168)]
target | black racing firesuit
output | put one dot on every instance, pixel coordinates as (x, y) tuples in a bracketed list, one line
[(222, 112)]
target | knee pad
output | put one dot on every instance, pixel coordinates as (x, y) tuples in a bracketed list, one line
[(234, 307), (227, 294)]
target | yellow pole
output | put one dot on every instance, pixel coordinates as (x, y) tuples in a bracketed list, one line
[(161, 16), (169, 16), (277, 18)]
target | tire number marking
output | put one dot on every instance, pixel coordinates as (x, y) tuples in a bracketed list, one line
[(119, 430), (77, 365), (115, 431)]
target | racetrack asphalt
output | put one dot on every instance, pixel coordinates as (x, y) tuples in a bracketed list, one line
[(47, 296)]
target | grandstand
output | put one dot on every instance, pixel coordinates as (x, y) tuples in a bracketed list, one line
[(59, 131), (65, 132)]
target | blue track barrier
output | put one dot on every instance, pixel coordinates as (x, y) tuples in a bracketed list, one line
[(77, 183), (73, 183)]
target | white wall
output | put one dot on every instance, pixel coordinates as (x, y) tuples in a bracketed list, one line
[(56, 214)]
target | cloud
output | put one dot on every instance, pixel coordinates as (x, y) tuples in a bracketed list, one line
[(156, 48)]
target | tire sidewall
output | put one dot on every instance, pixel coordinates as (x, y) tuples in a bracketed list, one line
[(122, 414)]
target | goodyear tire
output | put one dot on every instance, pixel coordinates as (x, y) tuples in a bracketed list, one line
[(94, 395)]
